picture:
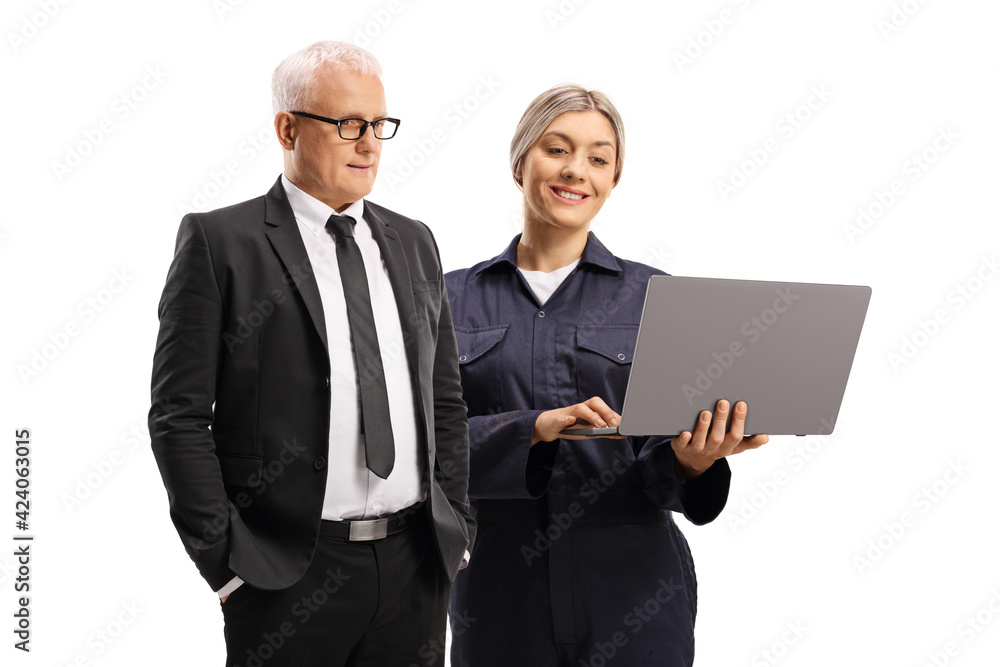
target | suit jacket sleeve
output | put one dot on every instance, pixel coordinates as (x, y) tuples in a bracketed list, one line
[(451, 429), (185, 366)]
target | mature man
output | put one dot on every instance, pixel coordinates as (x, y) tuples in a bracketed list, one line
[(307, 413)]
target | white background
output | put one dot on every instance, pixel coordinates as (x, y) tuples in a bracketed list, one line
[(105, 551)]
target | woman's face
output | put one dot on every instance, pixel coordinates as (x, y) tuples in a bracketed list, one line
[(569, 171)]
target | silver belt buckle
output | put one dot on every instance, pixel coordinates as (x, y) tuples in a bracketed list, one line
[(364, 531)]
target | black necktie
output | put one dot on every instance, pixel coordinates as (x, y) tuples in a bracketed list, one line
[(376, 427)]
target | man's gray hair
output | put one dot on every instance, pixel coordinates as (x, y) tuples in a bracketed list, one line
[(553, 103), (293, 82)]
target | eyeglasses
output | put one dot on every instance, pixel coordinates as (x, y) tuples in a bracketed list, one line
[(354, 128)]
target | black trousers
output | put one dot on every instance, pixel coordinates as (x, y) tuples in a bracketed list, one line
[(381, 603)]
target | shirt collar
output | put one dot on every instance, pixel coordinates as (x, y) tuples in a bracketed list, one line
[(594, 253), (313, 213)]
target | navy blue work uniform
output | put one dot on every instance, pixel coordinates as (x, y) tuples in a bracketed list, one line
[(577, 560)]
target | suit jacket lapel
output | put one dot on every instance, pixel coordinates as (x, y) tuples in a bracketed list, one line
[(402, 286), (283, 233)]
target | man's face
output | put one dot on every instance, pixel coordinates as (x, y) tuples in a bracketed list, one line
[(336, 171)]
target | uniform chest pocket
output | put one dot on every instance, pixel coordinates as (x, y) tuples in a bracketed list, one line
[(604, 361), (479, 352)]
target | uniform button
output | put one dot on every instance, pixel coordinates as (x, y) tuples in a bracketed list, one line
[(319, 463), (541, 313), (622, 357), (326, 383), (462, 358)]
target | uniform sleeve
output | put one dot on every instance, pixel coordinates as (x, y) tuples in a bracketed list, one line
[(701, 500), (504, 465)]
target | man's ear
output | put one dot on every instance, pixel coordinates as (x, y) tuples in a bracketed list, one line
[(287, 129)]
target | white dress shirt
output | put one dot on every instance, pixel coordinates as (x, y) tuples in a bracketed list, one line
[(353, 491)]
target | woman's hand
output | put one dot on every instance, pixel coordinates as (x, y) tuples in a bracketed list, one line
[(696, 453), (593, 412)]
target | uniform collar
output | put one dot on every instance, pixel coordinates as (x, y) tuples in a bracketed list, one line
[(594, 253)]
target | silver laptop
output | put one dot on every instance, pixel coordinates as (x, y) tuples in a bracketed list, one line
[(784, 348)]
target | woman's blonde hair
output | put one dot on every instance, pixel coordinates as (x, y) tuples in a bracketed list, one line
[(550, 105)]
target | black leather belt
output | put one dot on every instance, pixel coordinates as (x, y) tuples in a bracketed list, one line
[(365, 530)]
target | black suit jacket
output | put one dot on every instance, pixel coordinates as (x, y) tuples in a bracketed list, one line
[(240, 418)]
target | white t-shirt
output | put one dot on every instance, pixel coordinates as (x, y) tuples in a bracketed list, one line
[(544, 284)]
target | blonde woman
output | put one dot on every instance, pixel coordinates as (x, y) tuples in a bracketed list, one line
[(577, 560)]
